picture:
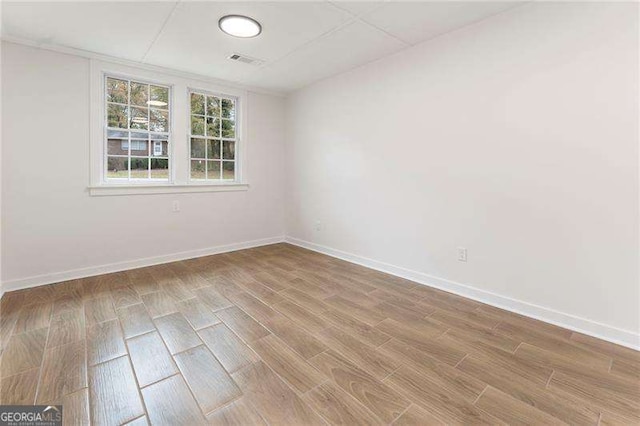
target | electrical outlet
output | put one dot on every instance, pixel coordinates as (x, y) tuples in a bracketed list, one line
[(318, 225), (176, 206), (462, 254)]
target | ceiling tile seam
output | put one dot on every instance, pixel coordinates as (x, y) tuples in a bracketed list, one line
[(91, 55), (336, 4), (162, 28), (339, 27), (517, 5), (362, 65), (360, 17), (375, 27), (354, 17)]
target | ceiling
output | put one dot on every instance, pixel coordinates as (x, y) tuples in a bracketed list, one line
[(301, 42)]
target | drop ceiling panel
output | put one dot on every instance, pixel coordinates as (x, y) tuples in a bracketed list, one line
[(414, 22), (301, 42), (192, 41), (357, 7), (124, 30), (346, 48)]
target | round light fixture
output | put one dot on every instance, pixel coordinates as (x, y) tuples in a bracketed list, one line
[(240, 26)]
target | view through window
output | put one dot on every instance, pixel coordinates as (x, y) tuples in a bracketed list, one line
[(213, 137), (136, 130)]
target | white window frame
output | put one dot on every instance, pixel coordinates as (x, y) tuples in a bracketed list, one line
[(105, 181), (236, 140), (179, 144)]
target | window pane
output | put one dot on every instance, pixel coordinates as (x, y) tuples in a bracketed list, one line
[(228, 109), (213, 170), (139, 147), (229, 150), (228, 129), (213, 149), (197, 125), (117, 91), (229, 168), (117, 142), (197, 104), (117, 116), (138, 108), (139, 93), (139, 168), (118, 146), (159, 97), (159, 168), (213, 106), (197, 169), (213, 127), (139, 135), (159, 120), (197, 148), (139, 118), (117, 134), (117, 167)]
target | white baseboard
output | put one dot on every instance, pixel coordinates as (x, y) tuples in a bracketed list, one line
[(572, 322), (56, 277)]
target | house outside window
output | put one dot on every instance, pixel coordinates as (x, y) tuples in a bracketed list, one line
[(137, 116)]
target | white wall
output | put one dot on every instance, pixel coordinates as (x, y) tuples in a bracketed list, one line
[(516, 138), (50, 223)]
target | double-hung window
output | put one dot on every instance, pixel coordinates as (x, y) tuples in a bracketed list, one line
[(212, 137), (137, 133), (155, 133)]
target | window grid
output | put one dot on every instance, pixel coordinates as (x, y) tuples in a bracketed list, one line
[(150, 166), (212, 137)]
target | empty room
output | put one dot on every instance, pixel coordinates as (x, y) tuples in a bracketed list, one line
[(319, 213)]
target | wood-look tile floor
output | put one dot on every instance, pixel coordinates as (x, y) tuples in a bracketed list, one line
[(282, 335)]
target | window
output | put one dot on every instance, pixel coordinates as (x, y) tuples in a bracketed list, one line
[(135, 145), (158, 133), (213, 139), (137, 117)]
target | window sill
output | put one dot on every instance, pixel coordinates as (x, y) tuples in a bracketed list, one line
[(111, 190)]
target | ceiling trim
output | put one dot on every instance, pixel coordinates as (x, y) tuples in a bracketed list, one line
[(170, 71)]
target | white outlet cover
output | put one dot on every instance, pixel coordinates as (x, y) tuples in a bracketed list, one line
[(462, 254)]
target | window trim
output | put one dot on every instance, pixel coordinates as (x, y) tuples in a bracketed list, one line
[(237, 139), (179, 150), (105, 149), (153, 189)]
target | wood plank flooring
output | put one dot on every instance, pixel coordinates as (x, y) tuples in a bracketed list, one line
[(283, 335)]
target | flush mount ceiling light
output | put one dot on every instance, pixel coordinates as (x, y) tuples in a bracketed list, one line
[(240, 26)]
